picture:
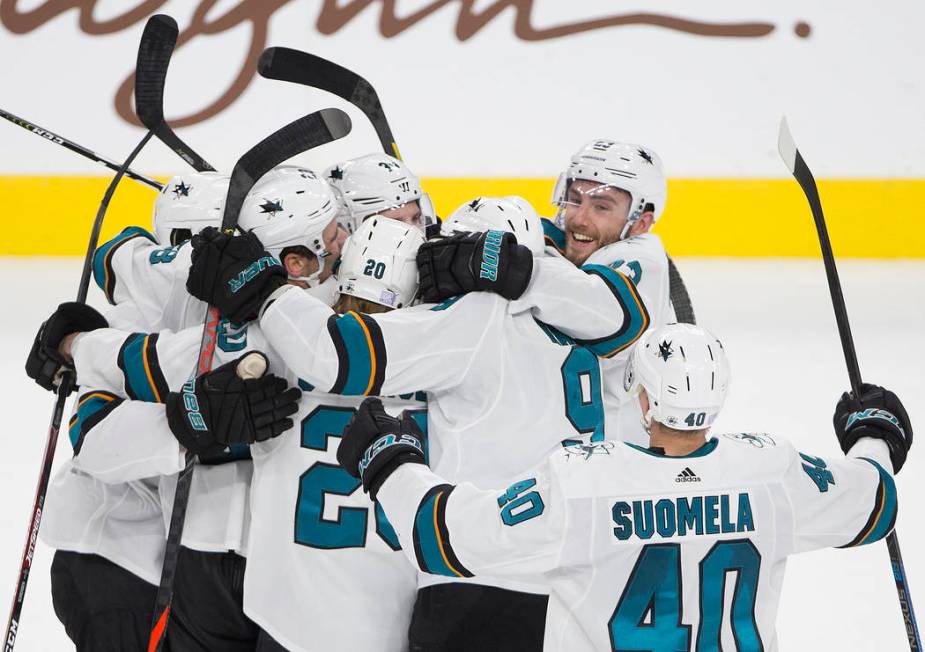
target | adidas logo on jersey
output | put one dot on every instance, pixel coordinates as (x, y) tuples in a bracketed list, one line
[(687, 476)]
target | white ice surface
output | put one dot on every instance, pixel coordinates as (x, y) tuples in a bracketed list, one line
[(776, 321)]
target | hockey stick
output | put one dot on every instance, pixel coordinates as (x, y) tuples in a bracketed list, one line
[(677, 294), (801, 172), (79, 149), (308, 132), (286, 64), (64, 388), (157, 43)]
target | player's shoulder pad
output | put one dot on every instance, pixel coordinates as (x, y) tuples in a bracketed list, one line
[(103, 272)]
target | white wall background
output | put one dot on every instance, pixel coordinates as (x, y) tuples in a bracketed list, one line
[(495, 105)]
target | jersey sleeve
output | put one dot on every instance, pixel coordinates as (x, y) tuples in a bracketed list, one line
[(422, 348), (117, 440), (133, 267), (845, 502), (595, 305), (462, 531), (139, 366)]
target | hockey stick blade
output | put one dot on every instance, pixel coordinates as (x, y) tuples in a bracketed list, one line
[(286, 64), (77, 148), (308, 132), (801, 172), (154, 52)]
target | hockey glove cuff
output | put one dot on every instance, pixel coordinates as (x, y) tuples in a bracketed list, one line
[(879, 414), (45, 363)]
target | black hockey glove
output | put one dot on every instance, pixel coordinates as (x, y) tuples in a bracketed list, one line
[(221, 408), (45, 363), (374, 444), (233, 273), (466, 262), (879, 414)]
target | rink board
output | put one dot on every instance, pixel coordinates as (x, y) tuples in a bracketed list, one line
[(704, 217)]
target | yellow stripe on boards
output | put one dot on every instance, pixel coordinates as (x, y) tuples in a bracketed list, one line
[(867, 218)]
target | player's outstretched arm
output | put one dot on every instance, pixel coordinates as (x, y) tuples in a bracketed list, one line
[(595, 305), (851, 501), (445, 529)]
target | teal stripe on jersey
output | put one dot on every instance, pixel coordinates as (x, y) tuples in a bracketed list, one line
[(92, 405), (359, 355), (102, 259), (885, 508), (635, 315), (427, 538), (132, 363), (554, 236)]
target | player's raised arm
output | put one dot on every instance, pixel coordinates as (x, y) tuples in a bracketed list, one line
[(451, 530), (852, 501)]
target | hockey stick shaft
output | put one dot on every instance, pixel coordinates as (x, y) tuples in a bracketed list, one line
[(79, 149), (801, 172), (19, 596)]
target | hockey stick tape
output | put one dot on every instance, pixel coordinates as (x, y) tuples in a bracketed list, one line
[(252, 365)]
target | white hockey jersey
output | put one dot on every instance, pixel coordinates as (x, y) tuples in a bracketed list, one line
[(641, 549), (643, 260), (324, 569), (487, 365), (120, 521)]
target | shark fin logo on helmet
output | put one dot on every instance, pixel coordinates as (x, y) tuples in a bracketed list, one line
[(665, 351), (271, 207), (645, 156), (181, 190)]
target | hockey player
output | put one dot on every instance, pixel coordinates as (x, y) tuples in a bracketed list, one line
[(343, 549), (639, 543), (133, 271), (472, 356), (379, 184), (608, 200), (109, 537)]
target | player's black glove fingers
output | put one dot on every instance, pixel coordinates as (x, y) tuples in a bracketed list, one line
[(879, 414), (374, 444), (45, 363), (435, 261), (218, 408), (234, 274)]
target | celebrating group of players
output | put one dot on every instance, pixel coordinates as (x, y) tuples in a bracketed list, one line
[(536, 474)]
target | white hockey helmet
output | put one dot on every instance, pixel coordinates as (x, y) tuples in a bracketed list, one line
[(187, 204), (632, 168), (510, 214), (289, 206), (379, 262), (685, 373), (374, 183)]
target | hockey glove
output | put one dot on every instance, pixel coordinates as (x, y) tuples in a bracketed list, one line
[(45, 363), (879, 414), (466, 262), (233, 273), (374, 444), (221, 408)]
